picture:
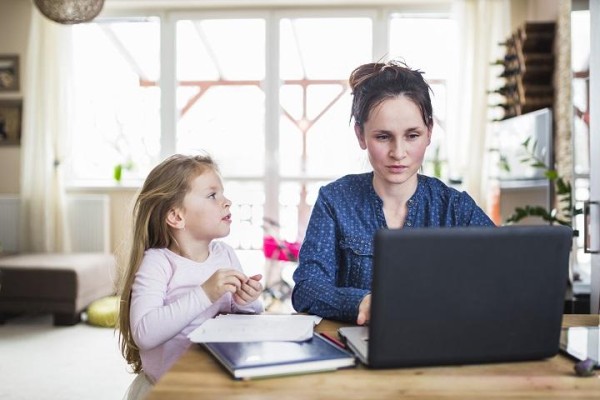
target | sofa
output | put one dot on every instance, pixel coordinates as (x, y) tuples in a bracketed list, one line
[(60, 284)]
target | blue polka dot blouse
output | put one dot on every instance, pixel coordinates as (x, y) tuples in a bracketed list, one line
[(335, 262)]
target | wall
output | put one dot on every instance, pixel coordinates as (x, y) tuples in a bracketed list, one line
[(14, 34), (121, 207), (15, 18), (532, 10)]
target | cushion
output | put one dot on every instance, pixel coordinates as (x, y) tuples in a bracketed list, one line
[(104, 312)]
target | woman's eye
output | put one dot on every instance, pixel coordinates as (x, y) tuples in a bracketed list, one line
[(212, 196), (382, 137)]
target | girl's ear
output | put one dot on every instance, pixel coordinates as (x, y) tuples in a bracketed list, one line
[(175, 218)]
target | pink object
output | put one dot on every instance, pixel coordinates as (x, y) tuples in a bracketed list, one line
[(280, 249)]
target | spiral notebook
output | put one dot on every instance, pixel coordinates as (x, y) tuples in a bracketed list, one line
[(464, 295)]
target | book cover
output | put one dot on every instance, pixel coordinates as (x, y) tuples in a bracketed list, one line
[(252, 360)]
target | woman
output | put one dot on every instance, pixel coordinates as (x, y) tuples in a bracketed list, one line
[(393, 121)]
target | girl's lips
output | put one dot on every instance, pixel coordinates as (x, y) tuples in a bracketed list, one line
[(227, 218)]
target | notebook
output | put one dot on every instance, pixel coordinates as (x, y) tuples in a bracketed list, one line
[(463, 295), (251, 360), (581, 343)]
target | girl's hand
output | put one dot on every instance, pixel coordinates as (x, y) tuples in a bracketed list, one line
[(364, 310), (249, 291), (223, 281)]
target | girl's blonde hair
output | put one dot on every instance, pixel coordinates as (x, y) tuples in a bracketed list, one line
[(164, 189)]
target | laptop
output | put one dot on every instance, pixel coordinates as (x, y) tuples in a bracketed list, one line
[(464, 295)]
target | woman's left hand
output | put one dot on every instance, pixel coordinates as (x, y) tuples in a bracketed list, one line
[(364, 311), (249, 291)]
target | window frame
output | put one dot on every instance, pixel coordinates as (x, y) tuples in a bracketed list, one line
[(271, 178)]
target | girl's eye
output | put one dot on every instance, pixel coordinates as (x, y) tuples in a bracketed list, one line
[(212, 196), (382, 137), (413, 136)]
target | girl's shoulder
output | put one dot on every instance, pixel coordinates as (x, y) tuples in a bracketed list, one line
[(219, 247), (165, 257), (157, 253), (158, 259), (222, 254)]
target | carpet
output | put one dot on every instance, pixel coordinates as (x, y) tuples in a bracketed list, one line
[(41, 361)]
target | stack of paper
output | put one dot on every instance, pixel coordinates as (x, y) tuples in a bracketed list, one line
[(255, 328)]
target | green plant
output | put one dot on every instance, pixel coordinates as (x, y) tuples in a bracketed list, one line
[(118, 170), (563, 190)]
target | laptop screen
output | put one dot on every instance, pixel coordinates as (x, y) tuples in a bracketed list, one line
[(467, 294)]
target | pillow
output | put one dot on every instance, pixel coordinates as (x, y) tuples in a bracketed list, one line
[(103, 312)]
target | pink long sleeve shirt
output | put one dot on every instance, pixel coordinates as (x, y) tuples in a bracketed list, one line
[(167, 303)]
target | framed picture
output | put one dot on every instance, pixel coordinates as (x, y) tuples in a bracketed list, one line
[(10, 122), (9, 73)]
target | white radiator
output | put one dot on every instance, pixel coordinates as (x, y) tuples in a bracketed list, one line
[(88, 217), (10, 207), (89, 222)]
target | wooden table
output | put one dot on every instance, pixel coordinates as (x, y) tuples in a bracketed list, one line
[(196, 375)]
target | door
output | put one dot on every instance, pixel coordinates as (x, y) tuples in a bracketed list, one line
[(594, 204)]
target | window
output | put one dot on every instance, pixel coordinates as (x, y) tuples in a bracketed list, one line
[(116, 101), (270, 103)]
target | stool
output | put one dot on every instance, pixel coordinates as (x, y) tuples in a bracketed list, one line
[(61, 284)]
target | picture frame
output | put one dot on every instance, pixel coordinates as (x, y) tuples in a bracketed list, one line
[(9, 73), (11, 112)]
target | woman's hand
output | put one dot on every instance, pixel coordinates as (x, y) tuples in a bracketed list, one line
[(364, 310), (223, 281), (249, 291)]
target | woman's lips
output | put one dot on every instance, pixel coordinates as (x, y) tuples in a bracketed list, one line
[(397, 168)]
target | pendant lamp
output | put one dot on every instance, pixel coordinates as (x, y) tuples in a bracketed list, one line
[(70, 11)]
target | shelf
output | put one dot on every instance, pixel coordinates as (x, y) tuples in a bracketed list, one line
[(520, 184), (528, 69)]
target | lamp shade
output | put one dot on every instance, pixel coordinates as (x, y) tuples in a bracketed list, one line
[(70, 11)]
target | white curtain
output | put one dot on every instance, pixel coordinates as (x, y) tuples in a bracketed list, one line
[(44, 227), (482, 25)]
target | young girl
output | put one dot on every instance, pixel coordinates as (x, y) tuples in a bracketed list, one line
[(393, 122), (178, 276)]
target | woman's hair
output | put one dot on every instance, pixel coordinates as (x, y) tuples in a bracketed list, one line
[(164, 189), (373, 83)]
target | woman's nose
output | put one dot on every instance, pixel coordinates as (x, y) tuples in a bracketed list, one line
[(397, 151)]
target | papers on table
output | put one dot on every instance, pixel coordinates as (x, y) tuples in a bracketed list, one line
[(255, 328)]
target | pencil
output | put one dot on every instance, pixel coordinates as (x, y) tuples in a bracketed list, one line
[(333, 340)]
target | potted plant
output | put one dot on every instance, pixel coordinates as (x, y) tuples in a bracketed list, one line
[(562, 188)]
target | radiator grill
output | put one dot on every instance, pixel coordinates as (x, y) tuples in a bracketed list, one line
[(89, 224), (10, 207), (87, 218)]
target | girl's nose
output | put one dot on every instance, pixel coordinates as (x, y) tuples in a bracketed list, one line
[(227, 202)]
